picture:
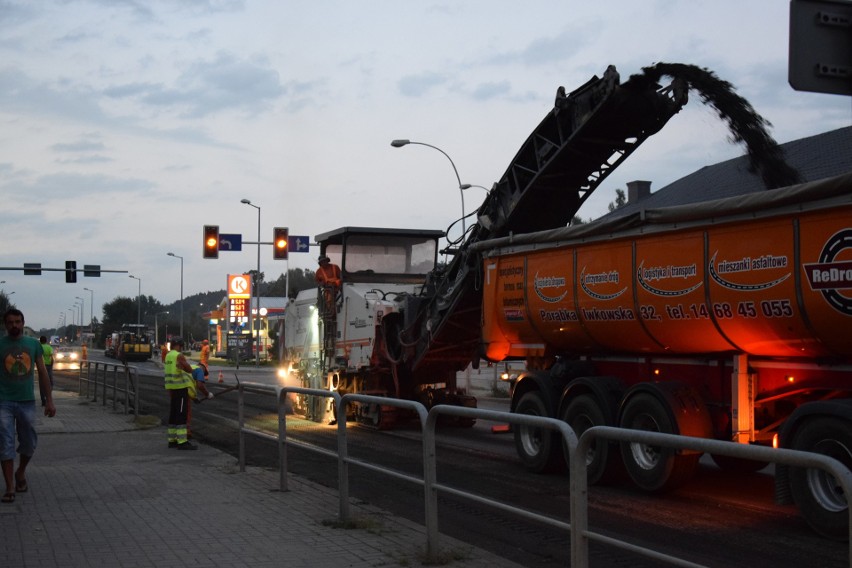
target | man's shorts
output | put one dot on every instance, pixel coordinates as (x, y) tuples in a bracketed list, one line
[(20, 418)]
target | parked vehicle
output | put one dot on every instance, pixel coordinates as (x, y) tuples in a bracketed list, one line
[(132, 343), (732, 320)]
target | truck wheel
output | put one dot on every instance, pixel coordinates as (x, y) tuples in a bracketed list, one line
[(818, 495), (540, 449), (653, 468), (602, 460)]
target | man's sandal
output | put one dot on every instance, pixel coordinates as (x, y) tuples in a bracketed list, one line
[(21, 485), (8, 498)]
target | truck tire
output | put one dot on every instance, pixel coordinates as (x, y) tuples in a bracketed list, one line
[(602, 461), (653, 468), (818, 495), (540, 449)]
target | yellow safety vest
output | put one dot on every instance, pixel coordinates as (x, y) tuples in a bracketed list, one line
[(176, 378)]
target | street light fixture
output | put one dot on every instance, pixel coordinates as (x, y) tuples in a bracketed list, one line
[(91, 309), (181, 289), (139, 301), (401, 143), (257, 289)]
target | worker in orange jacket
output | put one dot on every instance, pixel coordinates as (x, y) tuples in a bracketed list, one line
[(328, 279)]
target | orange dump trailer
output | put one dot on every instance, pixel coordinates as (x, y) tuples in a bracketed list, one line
[(729, 319)]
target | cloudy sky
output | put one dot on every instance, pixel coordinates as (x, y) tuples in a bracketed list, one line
[(127, 125)]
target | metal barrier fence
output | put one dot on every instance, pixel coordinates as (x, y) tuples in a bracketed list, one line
[(96, 376), (578, 527)]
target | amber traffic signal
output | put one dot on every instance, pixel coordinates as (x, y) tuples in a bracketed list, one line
[(280, 243), (211, 241)]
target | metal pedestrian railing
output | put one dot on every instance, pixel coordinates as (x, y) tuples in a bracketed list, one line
[(111, 380), (579, 533)]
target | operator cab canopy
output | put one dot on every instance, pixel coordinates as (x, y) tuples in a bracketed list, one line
[(369, 254)]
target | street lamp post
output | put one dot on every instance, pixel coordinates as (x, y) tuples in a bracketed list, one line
[(257, 289), (157, 329), (401, 143), (139, 301), (91, 309), (82, 309), (181, 290)]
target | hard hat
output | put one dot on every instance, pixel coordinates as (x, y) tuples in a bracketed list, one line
[(205, 341), (323, 258)]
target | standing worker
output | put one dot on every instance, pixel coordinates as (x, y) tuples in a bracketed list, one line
[(47, 349), (204, 358), (84, 357), (20, 357), (329, 281), (179, 383)]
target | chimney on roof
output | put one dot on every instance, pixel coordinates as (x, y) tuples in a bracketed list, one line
[(637, 190)]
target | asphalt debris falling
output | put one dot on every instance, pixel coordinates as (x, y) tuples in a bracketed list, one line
[(746, 126)]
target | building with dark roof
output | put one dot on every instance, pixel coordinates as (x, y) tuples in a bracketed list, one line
[(815, 157)]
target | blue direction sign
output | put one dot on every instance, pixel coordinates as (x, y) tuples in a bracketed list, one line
[(230, 242), (300, 243)]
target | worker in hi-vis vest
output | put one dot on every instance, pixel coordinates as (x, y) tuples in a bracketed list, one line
[(181, 387)]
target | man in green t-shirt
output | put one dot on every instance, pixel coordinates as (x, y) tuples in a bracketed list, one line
[(47, 348), (20, 357)]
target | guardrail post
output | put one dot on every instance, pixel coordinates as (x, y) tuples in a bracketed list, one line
[(242, 422), (127, 382), (579, 498), (430, 493), (282, 440), (115, 390), (342, 461)]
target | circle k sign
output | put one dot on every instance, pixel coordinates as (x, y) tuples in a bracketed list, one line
[(239, 286)]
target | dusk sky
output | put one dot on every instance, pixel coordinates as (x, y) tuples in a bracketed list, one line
[(127, 125)]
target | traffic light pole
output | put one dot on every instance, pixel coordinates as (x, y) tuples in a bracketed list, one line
[(280, 247), (252, 342)]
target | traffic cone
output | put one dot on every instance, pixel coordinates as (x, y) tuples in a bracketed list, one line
[(221, 377)]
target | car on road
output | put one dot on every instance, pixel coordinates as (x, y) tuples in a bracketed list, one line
[(66, 358)]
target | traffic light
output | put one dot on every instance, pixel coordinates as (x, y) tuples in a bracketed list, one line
[(70, 271), (280, 244), (211, 241)]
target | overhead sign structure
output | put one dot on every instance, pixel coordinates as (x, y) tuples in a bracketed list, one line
[(301, 243), (70, 270), (821, 46), (32, 269), (230, 242)]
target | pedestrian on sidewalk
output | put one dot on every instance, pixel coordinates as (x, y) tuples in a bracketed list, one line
[(180, 385), (47, 349), (21, 357)]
